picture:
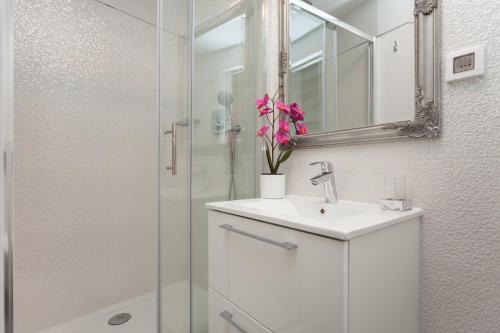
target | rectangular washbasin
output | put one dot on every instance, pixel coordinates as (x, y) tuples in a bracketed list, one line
[(342, 220)]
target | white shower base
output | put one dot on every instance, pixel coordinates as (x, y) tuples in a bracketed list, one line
[(143, 311)]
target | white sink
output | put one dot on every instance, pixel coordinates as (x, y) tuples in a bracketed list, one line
[(294, 206), (343, 220)]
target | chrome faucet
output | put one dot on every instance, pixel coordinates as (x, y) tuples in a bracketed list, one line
[(327, 178)]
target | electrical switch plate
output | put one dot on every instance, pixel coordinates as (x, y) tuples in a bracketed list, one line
[(464, 63)]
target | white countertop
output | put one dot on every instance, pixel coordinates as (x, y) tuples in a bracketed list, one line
[(344, 220)]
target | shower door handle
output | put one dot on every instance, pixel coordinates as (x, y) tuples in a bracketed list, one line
[(173, 132)]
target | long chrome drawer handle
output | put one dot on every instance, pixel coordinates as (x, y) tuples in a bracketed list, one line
[(229, 317), (285, 245)]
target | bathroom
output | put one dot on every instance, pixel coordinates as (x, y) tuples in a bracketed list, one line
[(195, 166)]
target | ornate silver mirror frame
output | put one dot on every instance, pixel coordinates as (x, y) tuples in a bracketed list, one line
[(426, 124)]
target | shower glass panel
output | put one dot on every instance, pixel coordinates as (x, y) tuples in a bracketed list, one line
[(313, 68), (226, 79), (331, 72), (307, 63), (175, 126), (85, 178)]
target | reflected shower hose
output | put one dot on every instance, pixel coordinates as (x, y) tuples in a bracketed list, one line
[(225, 98), (232, 137)]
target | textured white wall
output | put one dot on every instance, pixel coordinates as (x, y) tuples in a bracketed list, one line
[(455, 178), (85, 212)]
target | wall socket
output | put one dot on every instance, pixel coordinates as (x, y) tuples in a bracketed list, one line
[(464, 63)]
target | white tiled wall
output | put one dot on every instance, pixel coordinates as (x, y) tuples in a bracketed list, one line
[(85, 212)]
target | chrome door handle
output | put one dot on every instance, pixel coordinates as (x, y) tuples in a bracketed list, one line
[(173, 131), (285, 245), (229, 317)]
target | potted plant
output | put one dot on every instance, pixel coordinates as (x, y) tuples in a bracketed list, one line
[(280, 118)]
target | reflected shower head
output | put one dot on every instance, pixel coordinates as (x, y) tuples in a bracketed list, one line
[(225, 98)]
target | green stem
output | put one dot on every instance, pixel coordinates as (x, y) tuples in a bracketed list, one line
[(272, 146)]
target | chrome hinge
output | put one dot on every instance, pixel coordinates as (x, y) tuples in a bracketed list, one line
[(283, 62)]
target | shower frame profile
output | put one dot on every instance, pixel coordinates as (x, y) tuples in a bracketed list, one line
[(6, 175)]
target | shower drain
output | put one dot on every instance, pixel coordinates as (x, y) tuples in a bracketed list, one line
[(119, 319)]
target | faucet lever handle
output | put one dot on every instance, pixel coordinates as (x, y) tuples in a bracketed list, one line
[(325, 166)]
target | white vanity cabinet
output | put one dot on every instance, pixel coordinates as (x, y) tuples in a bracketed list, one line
[(265, 277)]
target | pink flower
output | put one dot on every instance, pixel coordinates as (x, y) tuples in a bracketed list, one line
[(301, 128), (283, 107), (264, 111), (263, 130), (282, 137), (260, 103), (284, 126), (296, 113)]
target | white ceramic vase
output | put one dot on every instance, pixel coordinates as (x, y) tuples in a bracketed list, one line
[(272, 186)]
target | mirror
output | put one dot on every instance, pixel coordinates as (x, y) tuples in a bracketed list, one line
[(362, 70)]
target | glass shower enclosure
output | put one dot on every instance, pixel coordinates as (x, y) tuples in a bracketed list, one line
[(129, 116)]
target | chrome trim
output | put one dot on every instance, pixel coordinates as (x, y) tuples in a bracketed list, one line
[(283, 62), (326, 166), (159, 54), (7, 148), (371, 79), (323, 76), (329, 18), (427, 120), (327, 178), (285, 245), (229, 317), (185, 122), (188, 163), (173, 132), (235, 9)]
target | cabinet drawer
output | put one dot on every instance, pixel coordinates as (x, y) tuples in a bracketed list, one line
[(256, 267), (225, 317)]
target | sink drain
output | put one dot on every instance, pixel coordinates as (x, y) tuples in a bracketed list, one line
[(119, 319)]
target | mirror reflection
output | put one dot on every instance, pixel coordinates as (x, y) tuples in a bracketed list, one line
[(352, 62)]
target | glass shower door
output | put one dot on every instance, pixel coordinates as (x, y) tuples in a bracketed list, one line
[(174, 167), (210, 76), (227, 78)]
